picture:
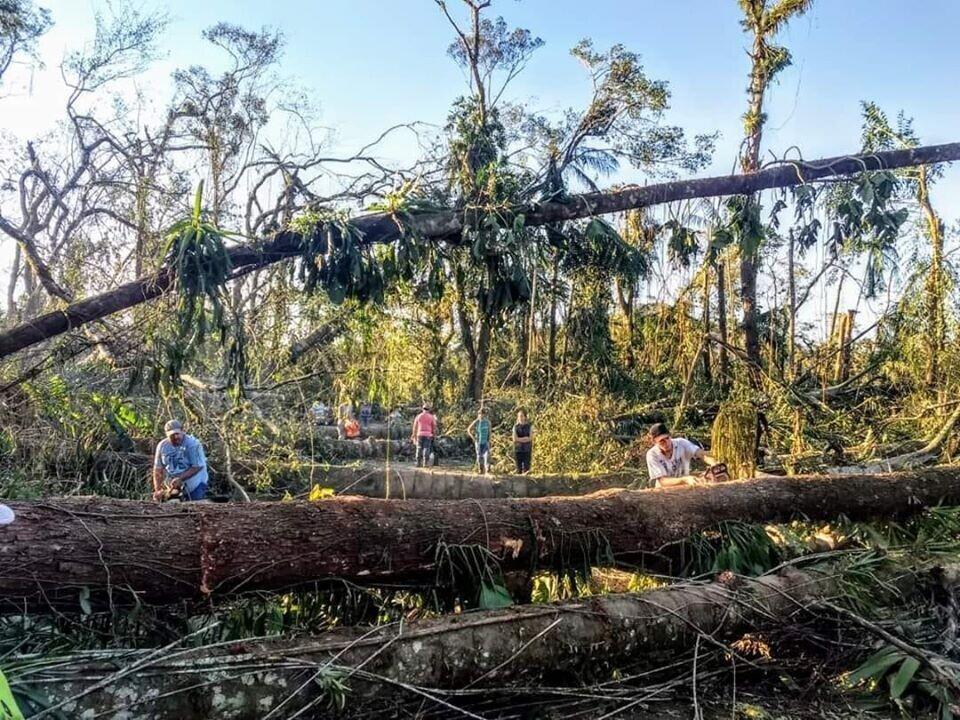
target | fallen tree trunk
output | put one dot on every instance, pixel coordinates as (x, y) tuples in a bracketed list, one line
[(320, 337), (382, 228), (585, 639), (377, 430), (125, 550), (408, 482), (369, 479), (445, 446)]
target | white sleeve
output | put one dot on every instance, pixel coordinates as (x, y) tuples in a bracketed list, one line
[(690, 448), (654, 469)]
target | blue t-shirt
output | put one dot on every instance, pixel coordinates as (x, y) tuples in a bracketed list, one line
[(177, 459), (483, 431)]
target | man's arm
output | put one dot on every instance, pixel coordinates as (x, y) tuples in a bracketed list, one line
[(198, 461), (677, 481), (177, 482), (157, 482), (658, 476), (709, 460)]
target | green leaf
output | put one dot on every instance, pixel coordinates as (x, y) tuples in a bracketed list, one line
[(198, 202), (8, 705), (904, 676), (876, 665), (493, 596)]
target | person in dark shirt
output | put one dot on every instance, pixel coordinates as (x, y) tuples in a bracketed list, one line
[(523, 442)]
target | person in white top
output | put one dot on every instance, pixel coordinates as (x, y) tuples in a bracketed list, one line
[(668, 461)]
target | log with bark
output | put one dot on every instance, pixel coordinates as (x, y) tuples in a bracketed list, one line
[(581, 640), (407, 482), (445, 447), (377, 430), (382, 228), (370, 479), (126, 551)]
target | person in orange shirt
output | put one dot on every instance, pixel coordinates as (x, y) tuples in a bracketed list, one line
[(351, 429)]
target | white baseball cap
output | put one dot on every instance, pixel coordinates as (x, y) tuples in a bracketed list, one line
[(6, 515)]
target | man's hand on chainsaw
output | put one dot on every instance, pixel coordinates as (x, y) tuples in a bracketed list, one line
[(159, 495), (717, 473)]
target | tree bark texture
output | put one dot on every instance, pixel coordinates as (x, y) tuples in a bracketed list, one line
[(408, 482), (119, 550), (382, 228), (584, 639)]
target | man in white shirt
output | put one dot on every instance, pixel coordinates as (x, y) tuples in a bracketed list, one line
[(668, 461)]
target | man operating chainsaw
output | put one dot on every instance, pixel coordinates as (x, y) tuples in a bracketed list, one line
[(668, 461), (179, 466)]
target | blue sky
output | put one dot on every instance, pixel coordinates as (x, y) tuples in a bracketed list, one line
[(373, 63)]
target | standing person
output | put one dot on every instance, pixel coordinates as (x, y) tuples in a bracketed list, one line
[(422, 435), (668, 461), (366, 413), (479, 432), (523, 442), (179, 465)]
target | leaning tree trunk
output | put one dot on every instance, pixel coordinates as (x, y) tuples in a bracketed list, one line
[(125, 551), (479, 374), (935, 287), (750, 163), (447, 225), (722, 356), (588, 638)]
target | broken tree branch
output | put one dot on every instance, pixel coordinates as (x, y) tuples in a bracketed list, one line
[(383, 228)]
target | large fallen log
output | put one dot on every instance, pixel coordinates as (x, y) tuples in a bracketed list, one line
[(444, 447), (382, 228), (377, 430), (126, 550), (394, 480), (408, 482), (584, 639)]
